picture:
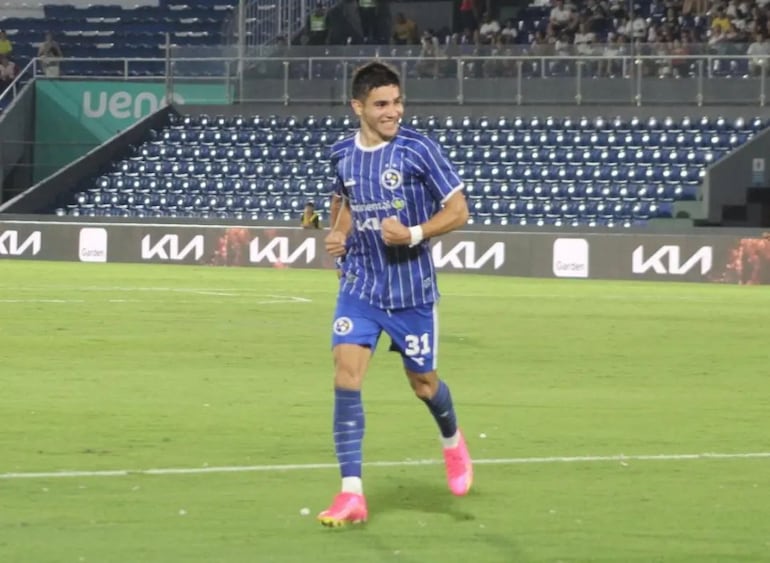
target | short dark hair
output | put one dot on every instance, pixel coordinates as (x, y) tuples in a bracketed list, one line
[(373, 75)]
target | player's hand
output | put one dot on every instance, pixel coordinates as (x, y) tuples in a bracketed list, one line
[(335, 243), (394, 233)]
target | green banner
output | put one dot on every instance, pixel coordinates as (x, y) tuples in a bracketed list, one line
[(73, 117)]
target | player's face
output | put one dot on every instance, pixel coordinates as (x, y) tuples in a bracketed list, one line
[(380, 112)]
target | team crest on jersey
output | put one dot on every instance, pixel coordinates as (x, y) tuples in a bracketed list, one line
[(391, 179), (343, 326)]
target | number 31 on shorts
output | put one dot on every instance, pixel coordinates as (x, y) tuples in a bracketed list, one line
[(417, 345)]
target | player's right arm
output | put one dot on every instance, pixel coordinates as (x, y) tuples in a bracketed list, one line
[(340, 221), (339, 216)]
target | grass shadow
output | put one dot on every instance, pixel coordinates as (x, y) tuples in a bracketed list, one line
[(399, 493)]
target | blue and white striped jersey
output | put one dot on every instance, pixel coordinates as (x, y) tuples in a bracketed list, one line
[(409, 178)]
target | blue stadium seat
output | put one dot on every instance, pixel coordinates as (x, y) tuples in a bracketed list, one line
[(534, 171)]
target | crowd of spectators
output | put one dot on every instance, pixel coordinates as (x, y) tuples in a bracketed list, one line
[(49, 53), (603, 31)]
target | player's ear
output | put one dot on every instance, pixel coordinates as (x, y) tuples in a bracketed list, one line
[(357, 106)]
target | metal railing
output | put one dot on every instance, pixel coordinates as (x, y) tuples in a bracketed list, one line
[(706, 79), (257, 25), (635, 80), (9, 94)]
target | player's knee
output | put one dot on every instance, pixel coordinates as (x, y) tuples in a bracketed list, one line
[(422, 391), (424, 388), (347, 376), (348, 371)]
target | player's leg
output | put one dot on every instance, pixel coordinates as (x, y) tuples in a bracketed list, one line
[(354, 339), (435, 393), (415, 335)]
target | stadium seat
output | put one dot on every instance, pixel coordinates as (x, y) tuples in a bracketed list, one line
[(525, 171)]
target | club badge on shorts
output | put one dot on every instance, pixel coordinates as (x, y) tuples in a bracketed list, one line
[(343, 326)]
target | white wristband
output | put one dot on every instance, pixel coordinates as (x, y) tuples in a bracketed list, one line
[(416, 234)]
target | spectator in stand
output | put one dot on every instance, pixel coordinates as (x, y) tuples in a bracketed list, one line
[(6, 47), (489, 29), (639, 27), (562, 18), (695, 7), (672, 23), (542, 44), (428, 64), (367, 11), (584, 45), (405, 30), (657, 10), (680, 66), (759, 17), (732, 10), (721, 21), (8, 72), (539, 47), (623, 26), (718, 43), (759, 50), (468, 15), (615, 48), (509, 32), (468, 41), (663, 49), (653, 33), (584, 40), (597, 17), (50, 53), (318, 26), (617, 8)]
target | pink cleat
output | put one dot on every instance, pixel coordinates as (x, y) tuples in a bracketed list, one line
[(347, 508), (459, 468)]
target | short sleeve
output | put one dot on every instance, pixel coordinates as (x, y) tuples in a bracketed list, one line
[(438, 173)]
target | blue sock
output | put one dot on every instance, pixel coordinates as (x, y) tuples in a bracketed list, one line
[(348, 430), (443, 410)]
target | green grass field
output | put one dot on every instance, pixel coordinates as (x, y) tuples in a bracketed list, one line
[(127, 367)]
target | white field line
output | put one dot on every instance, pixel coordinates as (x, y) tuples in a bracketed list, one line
[(621, 458), (62, 301), (261, 299), (332, 291)]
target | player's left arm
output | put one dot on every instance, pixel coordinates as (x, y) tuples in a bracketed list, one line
[(444, 186), (453, 215)]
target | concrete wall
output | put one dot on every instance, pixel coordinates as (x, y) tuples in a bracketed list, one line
[(728, 179), (17, 135), (527, 91)]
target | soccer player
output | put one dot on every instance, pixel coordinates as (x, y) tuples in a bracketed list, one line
[(394, 191)]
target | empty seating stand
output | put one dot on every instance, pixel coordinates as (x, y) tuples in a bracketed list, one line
[(534, 171), (110, 30)]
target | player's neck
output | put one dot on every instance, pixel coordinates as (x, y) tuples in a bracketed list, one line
[(369, 140)]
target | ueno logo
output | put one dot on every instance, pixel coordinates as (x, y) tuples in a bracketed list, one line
[(122, 105)]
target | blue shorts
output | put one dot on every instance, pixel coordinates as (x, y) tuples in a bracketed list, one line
[(413, 331)]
